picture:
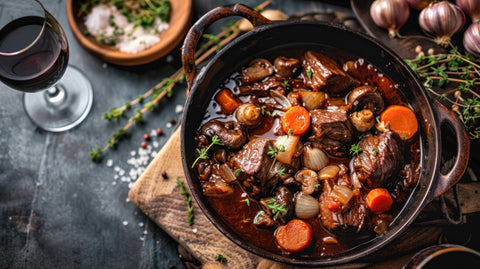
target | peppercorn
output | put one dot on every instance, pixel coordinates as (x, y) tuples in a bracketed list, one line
[(144, 144), (159, 131), (146, 137)]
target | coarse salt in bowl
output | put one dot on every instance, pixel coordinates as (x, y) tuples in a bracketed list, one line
[(138, 45)]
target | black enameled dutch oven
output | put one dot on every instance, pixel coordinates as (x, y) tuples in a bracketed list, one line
[(267, 37)]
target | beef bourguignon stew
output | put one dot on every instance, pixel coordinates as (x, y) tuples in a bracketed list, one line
[(308, 154)]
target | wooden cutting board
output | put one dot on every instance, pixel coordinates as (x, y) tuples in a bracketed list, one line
[(161, 200)]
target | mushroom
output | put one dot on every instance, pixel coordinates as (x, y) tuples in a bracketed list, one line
[(230, 133), (258, 69), (249, 114), (308, 178), (366, 97), (362, 120), (286, 67)]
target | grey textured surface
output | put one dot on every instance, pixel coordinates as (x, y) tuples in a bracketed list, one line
[(60, 210)]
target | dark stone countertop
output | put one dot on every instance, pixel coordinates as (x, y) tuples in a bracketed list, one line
[(60, 210)]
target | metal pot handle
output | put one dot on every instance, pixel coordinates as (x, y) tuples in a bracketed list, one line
[(197, 30), (446, 181)]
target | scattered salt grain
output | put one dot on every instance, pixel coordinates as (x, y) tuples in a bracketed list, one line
[(195, 230), (178, 109), (127, 200), (116, 168), (153, 133), (169, 58), (142, 238), (155, 144), (169, 125), (145, 232), (132, 153), (141, 224), (114, 183), (104, 65), (125, 223), (130, 185), (109, 163)]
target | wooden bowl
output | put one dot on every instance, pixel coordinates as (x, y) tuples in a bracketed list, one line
[(180, 18)]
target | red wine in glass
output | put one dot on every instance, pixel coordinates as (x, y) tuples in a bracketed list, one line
[(43, 63), (34, 59)]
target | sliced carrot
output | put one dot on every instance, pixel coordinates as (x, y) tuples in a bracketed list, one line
[(379, 200), (227, 101), (296, 119), (401, 119), (294, 236)]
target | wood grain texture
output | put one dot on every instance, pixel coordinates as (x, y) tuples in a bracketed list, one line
[(160, 200)]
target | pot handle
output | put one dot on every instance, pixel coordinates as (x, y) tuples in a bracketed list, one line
[(197, 30), (446, 181)]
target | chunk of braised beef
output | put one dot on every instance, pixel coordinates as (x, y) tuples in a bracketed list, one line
[(380, 159), (351, 217), (253, 160), (332, 123), (322, 72), (231, 133), (284, 199), (263, 220), (263, 88), (216, 185)]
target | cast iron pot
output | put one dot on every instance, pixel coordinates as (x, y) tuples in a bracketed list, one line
[(268, 37)]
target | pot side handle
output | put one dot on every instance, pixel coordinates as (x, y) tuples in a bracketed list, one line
[(197, 30), (446, 181)]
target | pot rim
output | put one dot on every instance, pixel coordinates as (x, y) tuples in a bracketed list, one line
[(353, 253)]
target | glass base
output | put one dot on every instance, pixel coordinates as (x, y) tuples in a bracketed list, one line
[(63, 106)]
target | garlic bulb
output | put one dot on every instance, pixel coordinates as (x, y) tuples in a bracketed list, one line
[(271, 14), (471, 7), (390, 14), (442, 19), (471, 39), (418, 4)]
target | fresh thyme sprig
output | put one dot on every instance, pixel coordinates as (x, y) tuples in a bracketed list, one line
[(454, 78), (165, 87), (187, 200), (203, 152)]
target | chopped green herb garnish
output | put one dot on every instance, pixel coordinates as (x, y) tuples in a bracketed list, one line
[(355, 149), (309, 73), (281, 172), (375, 152), (220, 258), (247, 201), (238, 172), (276, 208)]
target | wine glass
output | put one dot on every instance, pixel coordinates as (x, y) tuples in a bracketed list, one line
[(34, 59)]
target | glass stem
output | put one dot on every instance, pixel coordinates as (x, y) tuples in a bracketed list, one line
[(55, 95)]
